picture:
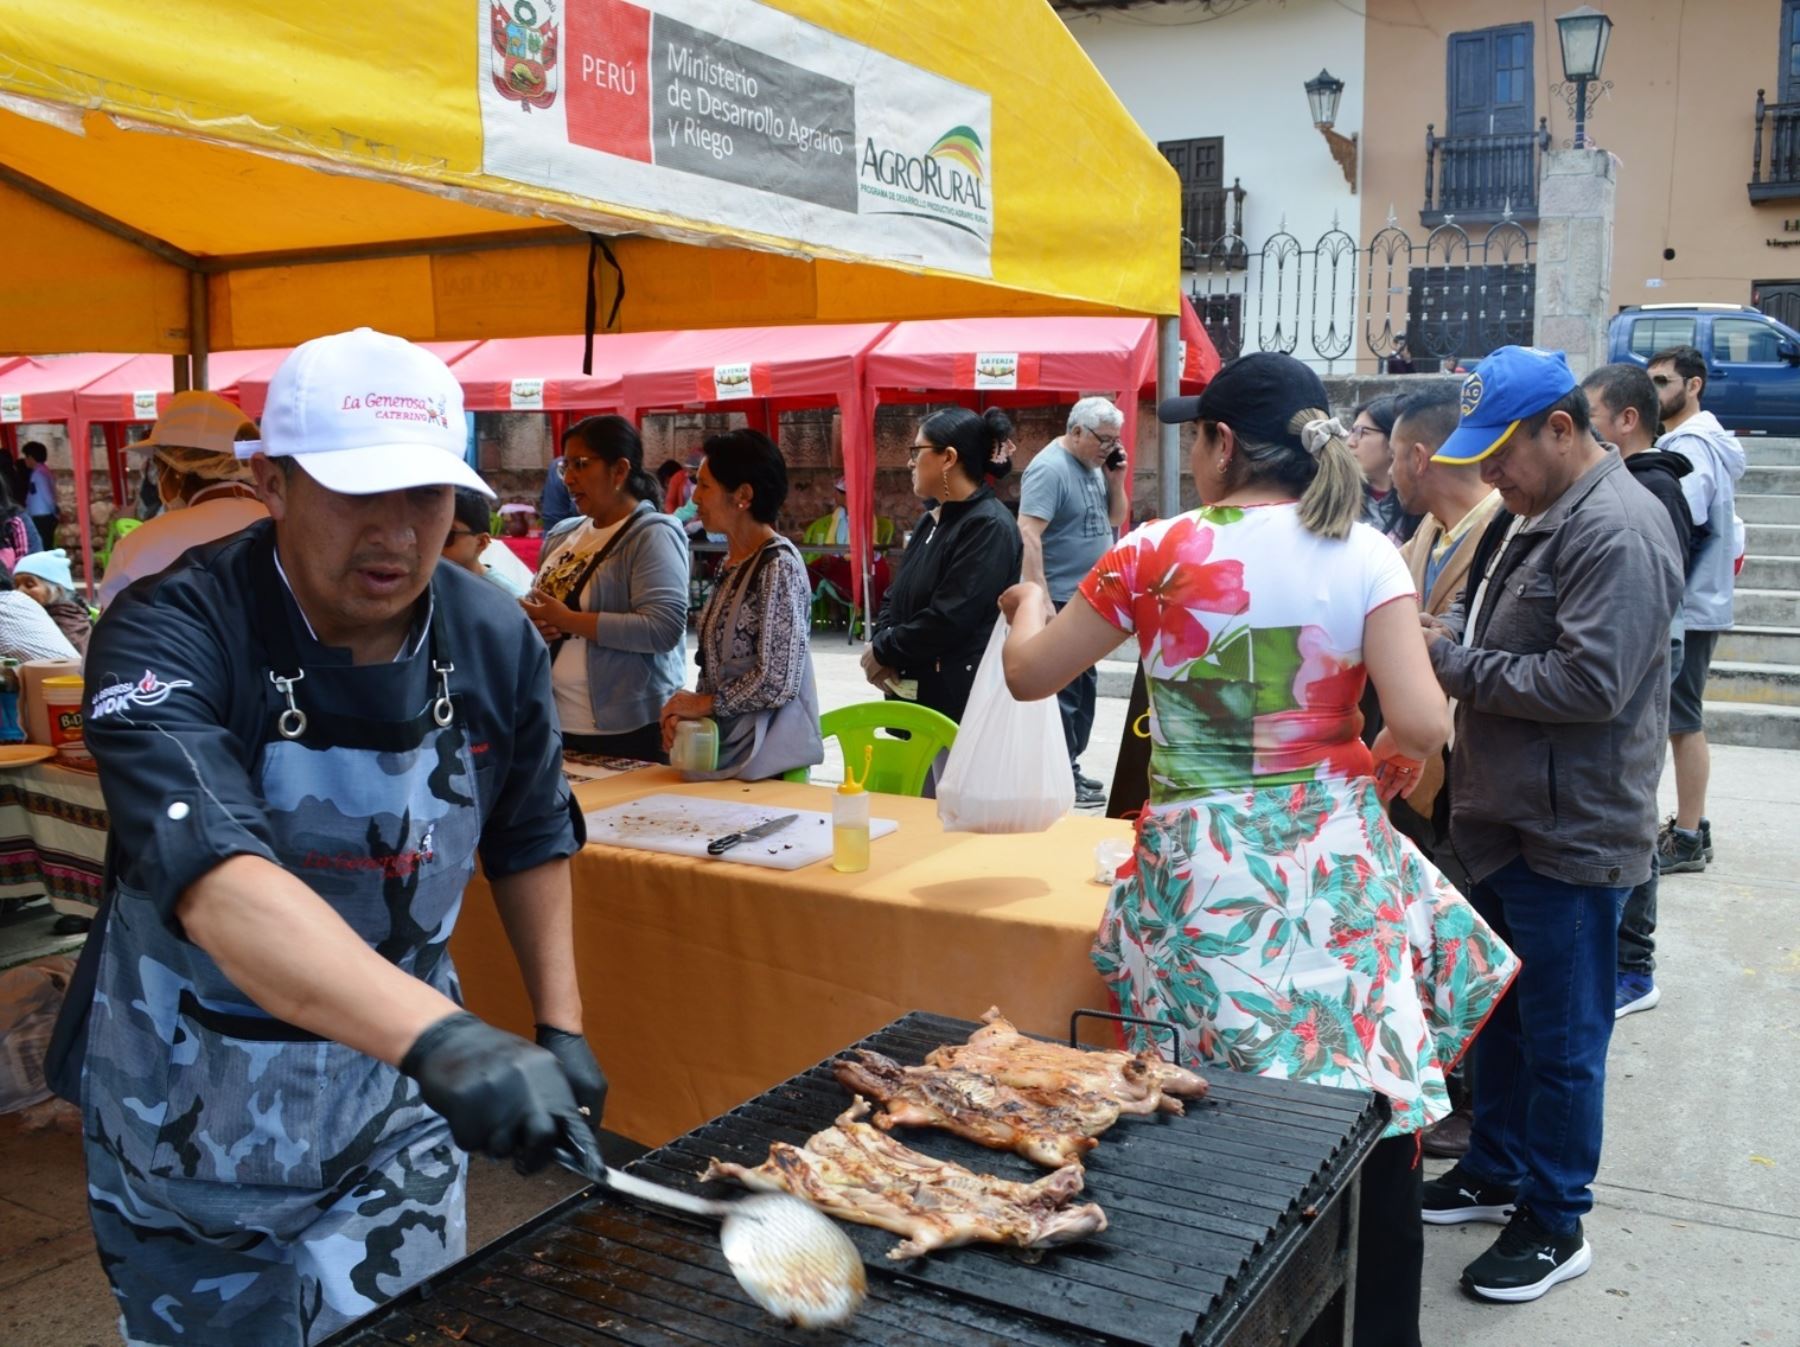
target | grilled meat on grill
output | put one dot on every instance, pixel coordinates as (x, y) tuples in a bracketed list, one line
[(1140, 1083), (1048, 1127), (857, 1173)]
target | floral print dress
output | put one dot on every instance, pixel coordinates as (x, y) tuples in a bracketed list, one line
[(1270, 911)]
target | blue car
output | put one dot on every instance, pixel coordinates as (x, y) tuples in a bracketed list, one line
[(1752, 361)]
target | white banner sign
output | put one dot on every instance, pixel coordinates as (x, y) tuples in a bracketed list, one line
[(12, 407), (732, 381), (527, 395), (782, 128), (143, 406), (996, 369)]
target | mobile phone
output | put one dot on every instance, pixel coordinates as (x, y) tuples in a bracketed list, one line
[(1116, 459)]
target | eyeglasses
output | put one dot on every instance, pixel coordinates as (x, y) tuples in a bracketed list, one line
[(1107, 442), (1357, 432), (1664, 380), (913, 453), (570, 465), (458, 533)]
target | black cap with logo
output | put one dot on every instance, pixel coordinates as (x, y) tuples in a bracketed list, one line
[(1256, 395)]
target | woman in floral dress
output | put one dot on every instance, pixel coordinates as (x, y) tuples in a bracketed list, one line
[(1270, 910)]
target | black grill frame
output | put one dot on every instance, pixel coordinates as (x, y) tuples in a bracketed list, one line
[(1262, 1172)]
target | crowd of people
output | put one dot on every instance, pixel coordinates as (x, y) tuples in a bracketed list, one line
[(1410, 686)]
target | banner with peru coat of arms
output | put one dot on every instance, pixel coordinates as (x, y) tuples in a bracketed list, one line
[(729, 112)]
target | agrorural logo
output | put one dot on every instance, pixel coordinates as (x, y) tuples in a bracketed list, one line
[(946, 183)]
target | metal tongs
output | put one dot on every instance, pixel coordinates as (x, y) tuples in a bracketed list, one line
[(793, 1260)]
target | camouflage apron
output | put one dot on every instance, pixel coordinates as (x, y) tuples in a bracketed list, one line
[(248, 1181)]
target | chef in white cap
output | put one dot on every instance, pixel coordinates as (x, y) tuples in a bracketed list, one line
[(307, 734)]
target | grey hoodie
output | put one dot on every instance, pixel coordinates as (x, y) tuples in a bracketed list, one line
[(1711, 491)]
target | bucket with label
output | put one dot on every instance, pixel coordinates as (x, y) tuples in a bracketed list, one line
[(62, 709)]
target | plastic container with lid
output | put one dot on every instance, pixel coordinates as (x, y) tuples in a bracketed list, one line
[(850, 820), (696, 746), (62, 706)]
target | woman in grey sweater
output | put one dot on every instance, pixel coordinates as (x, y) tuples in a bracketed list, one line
[(611, 596)]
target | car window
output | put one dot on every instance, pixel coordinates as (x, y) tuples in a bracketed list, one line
[(1650, 335), (1744, 341)]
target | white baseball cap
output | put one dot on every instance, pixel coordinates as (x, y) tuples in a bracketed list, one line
[(363, 413)]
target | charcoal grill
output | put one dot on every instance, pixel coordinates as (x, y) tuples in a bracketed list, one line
[(1234, 1226)]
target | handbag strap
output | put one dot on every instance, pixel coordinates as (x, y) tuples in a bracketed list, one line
[(587, 573)]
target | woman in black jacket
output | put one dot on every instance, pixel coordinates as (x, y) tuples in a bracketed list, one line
[(941, 609)]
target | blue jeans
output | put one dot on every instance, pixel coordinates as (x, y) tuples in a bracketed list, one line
[(1540, 1061)]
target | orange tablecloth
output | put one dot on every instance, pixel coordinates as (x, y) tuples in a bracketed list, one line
[(706, 982)]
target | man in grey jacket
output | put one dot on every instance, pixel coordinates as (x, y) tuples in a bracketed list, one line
[(1558, 660), (1679, 374)]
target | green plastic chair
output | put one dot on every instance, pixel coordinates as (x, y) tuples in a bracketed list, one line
[(900, 765)]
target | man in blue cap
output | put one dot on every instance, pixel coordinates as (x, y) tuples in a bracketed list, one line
[(1557, 657)]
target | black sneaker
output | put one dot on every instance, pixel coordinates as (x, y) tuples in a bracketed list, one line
[(1457, 1197), (1087, 796), (1706, 837), (1680, 852), (1083, 779), (1526, 1261)]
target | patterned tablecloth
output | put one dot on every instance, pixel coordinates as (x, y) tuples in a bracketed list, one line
[(53, 828)]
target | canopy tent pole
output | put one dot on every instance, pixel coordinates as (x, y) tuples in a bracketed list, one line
[(1168, 438), (198, 336), (178, 378), (114, 433)]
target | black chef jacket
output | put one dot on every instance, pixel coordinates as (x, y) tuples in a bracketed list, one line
[(179, 707)]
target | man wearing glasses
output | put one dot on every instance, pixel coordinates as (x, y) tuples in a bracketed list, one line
[(1679, 373), (1071, 502)]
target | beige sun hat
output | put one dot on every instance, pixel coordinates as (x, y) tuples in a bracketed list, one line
[(197, 433)]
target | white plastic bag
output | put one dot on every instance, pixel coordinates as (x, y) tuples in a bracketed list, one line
[(1008, 771)]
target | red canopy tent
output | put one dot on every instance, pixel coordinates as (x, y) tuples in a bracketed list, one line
[(543, 374), (762, 372), (137, 392), (1028, 361), (44, 389)]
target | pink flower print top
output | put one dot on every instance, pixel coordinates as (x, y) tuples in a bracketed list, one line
[(1250, 630)]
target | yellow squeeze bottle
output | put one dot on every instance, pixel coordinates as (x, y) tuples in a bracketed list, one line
[(850, 820)]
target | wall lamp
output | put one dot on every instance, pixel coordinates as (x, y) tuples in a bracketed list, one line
[(1322, 94)]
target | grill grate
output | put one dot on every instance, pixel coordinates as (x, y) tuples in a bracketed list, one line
[(1203, 1211)]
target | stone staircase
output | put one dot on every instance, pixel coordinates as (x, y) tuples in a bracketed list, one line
[(1753, 696)]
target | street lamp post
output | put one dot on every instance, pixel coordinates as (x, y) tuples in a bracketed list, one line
[(1583, 34), (1322, 94)]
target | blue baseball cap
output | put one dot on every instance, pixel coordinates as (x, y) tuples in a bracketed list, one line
[(1513, 383)]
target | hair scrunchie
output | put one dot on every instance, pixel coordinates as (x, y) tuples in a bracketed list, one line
[(1315, 435)]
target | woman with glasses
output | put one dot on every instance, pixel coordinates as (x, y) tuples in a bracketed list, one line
[(1371, 425), (611, 597), (940, 610), (756, 676)]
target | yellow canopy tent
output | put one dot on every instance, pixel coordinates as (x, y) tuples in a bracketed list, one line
[(187, 175), (431, 168)]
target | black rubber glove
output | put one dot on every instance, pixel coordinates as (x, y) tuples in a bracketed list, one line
[(576, 1058), (500, 1095)]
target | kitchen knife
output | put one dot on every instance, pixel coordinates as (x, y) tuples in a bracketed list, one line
[(720, 845)]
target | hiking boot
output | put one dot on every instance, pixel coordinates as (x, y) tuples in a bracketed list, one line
[(1527, 1260), (1457, 1197), (1636, 991), (1680, 852)]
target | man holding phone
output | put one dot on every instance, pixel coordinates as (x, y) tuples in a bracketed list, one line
[(1071, 504)]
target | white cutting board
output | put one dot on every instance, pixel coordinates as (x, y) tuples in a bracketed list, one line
[(682, 825)]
